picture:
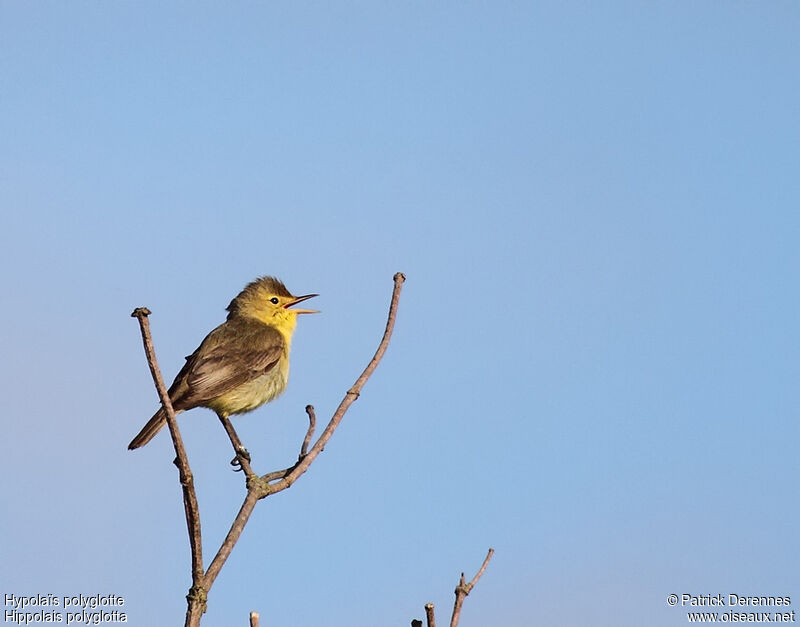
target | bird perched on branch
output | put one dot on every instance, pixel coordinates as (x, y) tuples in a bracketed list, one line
[(241, 364)]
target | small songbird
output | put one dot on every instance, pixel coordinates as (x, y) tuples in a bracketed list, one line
[(241, 364)]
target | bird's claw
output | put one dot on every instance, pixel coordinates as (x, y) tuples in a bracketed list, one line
[(241, 454)]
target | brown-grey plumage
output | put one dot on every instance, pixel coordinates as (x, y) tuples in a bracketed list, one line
[(214, 368)]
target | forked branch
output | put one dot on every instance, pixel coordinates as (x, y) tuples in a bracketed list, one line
[(257, 487), (462, 590)]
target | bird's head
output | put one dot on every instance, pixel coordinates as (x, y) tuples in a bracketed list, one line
[(268, 300)]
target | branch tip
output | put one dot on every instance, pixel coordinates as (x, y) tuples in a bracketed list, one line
[(312, 424), (463, 589), (429, 616)]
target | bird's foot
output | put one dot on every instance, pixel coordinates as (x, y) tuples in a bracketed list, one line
[(242, 455)]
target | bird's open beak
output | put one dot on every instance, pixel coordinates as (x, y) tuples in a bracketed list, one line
[(300, 299)]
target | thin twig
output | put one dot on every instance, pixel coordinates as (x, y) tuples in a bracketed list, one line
[(312, 424), (190, 505), (429, 615), (234, 532), (276, 474), (463, 589)]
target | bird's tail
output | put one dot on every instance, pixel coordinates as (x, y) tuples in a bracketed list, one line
[(152, 427)]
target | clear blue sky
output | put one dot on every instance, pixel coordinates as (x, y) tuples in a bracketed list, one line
[(596, 360)]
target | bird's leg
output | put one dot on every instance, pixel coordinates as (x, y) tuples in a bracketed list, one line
[(242, 459)]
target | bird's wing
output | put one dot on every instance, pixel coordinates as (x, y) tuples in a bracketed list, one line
[(232, 354)]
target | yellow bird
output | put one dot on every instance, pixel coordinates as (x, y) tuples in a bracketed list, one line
[(241, 364)]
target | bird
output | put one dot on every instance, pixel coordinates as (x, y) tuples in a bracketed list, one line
[(241, 364)]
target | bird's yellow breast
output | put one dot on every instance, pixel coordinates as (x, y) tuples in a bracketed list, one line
[(256, 392)]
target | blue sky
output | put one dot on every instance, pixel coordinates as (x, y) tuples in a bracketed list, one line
[(595, 364)]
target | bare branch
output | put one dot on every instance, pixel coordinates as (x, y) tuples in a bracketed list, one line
[(463, 589), (479, 574), (349, 398), (253, 619), (429, 615), (276, 474), (233, 535), (190, 505), (312, 424)]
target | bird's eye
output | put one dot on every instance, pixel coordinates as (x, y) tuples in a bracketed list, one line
[(274, 300)]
